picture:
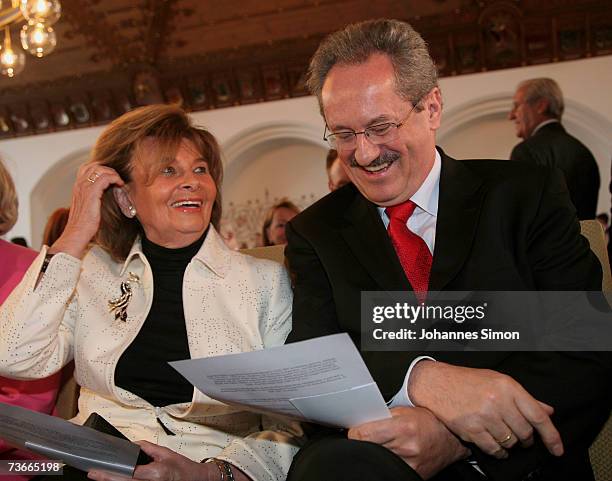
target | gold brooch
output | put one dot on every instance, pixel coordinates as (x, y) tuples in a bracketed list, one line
[(119, 305)]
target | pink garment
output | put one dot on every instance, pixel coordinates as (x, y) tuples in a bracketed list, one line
[(15, 261), (38, 395)]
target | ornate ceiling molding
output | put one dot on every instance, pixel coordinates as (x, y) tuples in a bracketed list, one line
[(149, 67)]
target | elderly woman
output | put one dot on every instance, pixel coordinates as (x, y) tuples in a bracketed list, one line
[(140, 277), (273, 230)]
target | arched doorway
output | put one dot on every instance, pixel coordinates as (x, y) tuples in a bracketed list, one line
[(53, 190), (267, 163)]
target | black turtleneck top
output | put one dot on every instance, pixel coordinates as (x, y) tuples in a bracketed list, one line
[(143, 368)]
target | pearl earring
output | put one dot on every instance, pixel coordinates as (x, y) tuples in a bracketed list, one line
[(131, 211)]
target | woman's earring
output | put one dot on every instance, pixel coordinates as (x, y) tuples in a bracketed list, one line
[(131, 211)]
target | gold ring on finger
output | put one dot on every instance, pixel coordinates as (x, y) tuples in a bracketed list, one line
[(95, 176), (505, 440)]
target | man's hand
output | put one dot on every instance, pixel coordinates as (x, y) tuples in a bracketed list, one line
[(167, 465), (416, 436), (482, 406)]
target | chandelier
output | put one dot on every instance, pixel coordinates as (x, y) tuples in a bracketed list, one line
[(37, 35)]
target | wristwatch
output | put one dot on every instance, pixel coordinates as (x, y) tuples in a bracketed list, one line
[(224, 467)]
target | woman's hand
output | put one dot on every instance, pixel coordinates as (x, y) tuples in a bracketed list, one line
[(84, 218), (167, 465)]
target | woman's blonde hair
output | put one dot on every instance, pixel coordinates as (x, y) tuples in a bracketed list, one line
[(8, 201), (283, 203), (122, 143)]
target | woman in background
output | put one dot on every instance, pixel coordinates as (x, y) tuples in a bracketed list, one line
[(273, 230), (55, 225), (140, 277), (38, 395)]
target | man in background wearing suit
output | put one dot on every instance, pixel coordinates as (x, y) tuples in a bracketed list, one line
[(536, 111), (452, 226)]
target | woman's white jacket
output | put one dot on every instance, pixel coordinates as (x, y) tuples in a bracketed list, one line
[(232, 302)]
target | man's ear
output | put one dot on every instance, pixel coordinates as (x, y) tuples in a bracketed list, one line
[(434, 108), (123, 201), (541, 106)]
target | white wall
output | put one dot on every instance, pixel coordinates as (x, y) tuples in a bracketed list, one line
[(474, 125)]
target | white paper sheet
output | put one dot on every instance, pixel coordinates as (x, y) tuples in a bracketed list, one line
[(322, 380), (78, 446)]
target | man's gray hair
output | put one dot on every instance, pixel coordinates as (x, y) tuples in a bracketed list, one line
[(547, 89), (415, 72)]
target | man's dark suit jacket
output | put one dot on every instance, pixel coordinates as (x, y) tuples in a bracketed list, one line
[(501, 226), (552, 146)]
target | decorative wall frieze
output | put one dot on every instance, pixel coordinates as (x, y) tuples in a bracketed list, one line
[(479, 36)]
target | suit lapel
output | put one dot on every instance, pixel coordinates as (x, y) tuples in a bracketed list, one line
[(459, 206), (365, 234)]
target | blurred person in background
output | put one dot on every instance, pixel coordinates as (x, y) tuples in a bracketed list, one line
[(336, 176), (55, 225), (273, 230), (38, 395), (536, 111)]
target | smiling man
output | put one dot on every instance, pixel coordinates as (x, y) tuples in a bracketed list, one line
[(415, 219)]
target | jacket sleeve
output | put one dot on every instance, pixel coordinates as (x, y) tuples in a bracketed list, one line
[(266, 455), (523, 153), (577, 384), (314, 309), (37, 321)]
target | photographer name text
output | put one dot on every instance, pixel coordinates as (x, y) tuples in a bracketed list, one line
[(437, 335)]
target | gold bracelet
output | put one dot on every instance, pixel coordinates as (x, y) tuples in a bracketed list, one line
[(224, 467)]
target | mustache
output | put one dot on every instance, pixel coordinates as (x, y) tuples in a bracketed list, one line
[(386, 157)]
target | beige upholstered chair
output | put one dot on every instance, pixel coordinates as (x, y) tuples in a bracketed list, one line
[(66, 405), (601, 450), (594, 233), (274, 253)]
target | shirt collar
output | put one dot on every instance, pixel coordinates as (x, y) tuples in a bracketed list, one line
[(135, 253), (426, 197), (214, 254), (542, 124)]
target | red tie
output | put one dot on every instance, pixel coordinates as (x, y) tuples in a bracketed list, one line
[(412, 251)]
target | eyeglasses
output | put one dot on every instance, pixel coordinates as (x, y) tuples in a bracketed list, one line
[(377, 134)]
